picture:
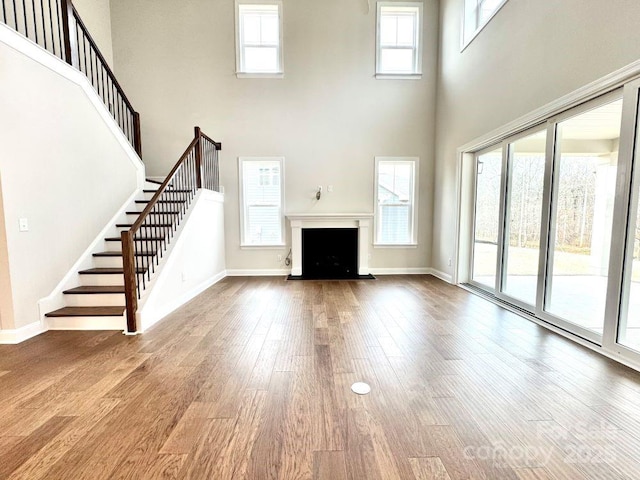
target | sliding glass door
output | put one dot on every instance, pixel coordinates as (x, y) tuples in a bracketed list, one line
[(583, 196), (627, 338), (544, 208), (523, 212), (488, 171)]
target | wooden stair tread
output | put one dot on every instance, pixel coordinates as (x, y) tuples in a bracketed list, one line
[(138, 239), (168, 190), (87, 312), (172, 212), (129, 225), (95, 289), (107, 271), (162, 201), (119, 254)]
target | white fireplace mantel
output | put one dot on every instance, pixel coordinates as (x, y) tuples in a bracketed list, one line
[(298, 221)]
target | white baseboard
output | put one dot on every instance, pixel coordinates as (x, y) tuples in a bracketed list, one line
[(258, 272), (400, 271), (12, 337), (441, 275), (147, 319), (268, 272)]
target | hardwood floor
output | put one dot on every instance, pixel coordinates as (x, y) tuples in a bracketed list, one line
[(251, 380)]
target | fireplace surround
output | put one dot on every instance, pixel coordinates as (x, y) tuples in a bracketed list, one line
[(361, 222)]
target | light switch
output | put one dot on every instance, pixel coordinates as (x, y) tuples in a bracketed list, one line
[(24, 225), (329, 188)]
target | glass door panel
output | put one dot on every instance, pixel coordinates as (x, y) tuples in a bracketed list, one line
[(629, 330), (583, 197), (524, 216), (487, 218), (628, 333)]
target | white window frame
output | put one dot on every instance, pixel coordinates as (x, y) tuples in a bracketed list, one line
[(417, 61), (240, 71), (243, 207), (479, 25), (413, 234)]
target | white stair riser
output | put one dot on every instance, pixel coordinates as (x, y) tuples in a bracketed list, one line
[(101, 279), (87, 323), (155, 230), (155, 217), (140, 246), (107, 262), (95, 300)]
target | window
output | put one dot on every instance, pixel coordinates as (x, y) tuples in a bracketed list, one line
[(395, 193), (261, 200), (477, 14), (399, 39), (259, 38)]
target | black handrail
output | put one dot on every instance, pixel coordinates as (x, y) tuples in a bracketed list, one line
[(144, 244)]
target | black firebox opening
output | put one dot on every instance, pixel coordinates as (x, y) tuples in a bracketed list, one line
[(329, 253)]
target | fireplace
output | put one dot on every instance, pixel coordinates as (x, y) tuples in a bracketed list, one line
[(331, 263), (329, 253)]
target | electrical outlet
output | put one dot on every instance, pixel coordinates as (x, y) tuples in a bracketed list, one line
[(279, 258), (24, 224), (329, 188), (184, 277), (449, 261)]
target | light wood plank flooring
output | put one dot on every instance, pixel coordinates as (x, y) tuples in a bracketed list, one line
[(251, 380)]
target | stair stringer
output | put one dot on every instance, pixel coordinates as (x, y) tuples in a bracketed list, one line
[(194, 261)]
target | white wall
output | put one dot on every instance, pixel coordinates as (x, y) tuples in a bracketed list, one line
[(329, 117), (96, 15), (6, 299), (61, 166), (196, 260), (531, 53)]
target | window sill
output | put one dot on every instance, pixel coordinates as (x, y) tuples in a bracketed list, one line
[(398, 76), (395, 245), (279, 246), (260, 75)]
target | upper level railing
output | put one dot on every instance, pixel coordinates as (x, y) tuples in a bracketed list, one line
[(56, 26), (144, 244)]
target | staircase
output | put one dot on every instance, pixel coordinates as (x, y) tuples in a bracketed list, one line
[(99, 302), (108, 296), (123, 268)]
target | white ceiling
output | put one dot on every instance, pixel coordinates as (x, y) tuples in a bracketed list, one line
[(602, 123)]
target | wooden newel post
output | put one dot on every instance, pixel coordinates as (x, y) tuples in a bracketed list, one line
[(137, 135), (69, 34), (198, 158), (129, 270)]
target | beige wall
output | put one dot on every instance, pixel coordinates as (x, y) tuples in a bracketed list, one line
[(96, 15), (530, 54), (329, 117), (61, 167)]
